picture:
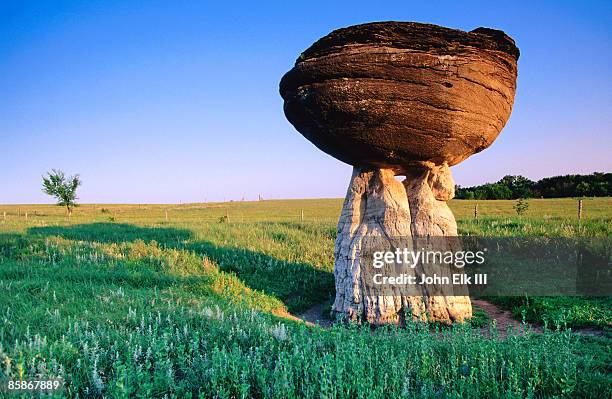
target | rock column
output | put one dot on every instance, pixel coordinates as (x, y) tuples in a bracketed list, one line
[(381, 211)]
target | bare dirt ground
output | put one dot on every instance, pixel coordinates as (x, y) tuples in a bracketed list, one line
[(503, 320), (315, 316)]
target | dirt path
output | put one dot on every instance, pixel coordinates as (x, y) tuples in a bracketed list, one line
[(315, 315), (504, 321), (503, 318)]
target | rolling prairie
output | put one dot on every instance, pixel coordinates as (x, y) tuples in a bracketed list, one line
[(205, 300)]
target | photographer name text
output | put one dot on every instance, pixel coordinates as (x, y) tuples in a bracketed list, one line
[(409, 279)]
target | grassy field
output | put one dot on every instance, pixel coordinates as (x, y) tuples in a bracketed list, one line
[(320, 210), (194, 300)]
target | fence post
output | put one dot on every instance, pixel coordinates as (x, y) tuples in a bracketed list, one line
[(475, 210), (26, 215), (166, 212), (579, 209), (227, 215), (4, 215), (302, 215)]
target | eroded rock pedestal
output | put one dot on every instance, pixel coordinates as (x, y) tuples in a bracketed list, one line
[(400, 98), (380, 212)]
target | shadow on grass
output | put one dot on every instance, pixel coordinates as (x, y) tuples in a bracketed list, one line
[(298, 285), (115, 233), (133, 278)]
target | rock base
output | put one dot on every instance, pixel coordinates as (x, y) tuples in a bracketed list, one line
[(380, 209)]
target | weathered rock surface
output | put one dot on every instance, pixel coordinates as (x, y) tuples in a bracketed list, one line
[(381, 213), (400, 98), (375, 207), (427, 191), (396, 94)]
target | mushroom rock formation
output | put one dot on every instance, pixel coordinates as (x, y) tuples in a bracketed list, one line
[(400, 98)]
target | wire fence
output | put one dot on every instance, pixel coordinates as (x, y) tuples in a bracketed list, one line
[(293, 210)]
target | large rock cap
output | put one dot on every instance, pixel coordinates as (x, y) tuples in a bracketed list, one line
[(394, 94)]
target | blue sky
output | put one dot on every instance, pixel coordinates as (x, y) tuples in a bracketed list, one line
[(157, 102)]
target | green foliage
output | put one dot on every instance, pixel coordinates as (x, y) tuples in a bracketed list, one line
[(480, 318), (63, 188), (521, 206), (509, 187), (593, 185), (486, 191), (135, 319), (570, 311), (514, 187), (520, 186)]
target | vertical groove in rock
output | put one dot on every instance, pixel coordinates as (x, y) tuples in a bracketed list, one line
[(380, 212), (427, 191)]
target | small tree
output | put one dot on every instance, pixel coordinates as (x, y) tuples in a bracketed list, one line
[(521, 206), (63, 188)]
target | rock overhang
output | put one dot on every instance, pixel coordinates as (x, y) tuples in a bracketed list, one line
[(396, 94)]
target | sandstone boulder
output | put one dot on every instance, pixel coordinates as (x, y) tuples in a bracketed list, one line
[(397, 94)]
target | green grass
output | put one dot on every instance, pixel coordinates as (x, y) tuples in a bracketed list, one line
[(321, 210), (569, 311), (190, 307)]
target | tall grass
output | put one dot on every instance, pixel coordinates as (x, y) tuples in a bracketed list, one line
[(209, 351), (190, 307)]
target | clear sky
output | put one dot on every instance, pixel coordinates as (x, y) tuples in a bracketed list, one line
[(177, 101)]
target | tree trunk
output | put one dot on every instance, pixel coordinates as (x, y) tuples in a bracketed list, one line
[(381, 212)]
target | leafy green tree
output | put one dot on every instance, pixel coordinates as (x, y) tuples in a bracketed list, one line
[(520, 186), (63, 188), (583, 189), (513, 187), (601, 189), (596, 184), (496, 191), (521, 206)]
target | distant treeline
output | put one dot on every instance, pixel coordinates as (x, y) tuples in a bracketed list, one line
[(513, 187)]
